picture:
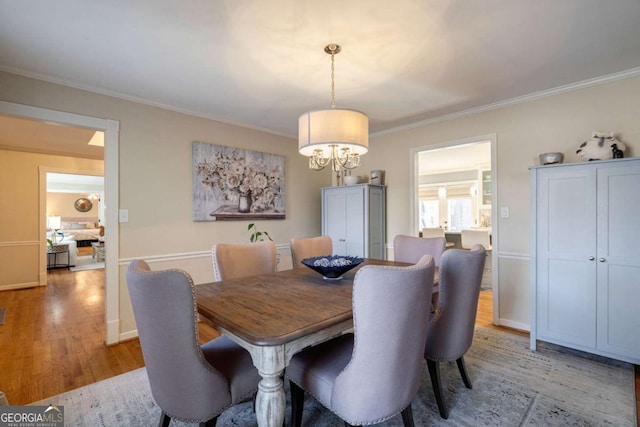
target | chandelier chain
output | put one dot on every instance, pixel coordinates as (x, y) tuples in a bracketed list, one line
[(333, 85)]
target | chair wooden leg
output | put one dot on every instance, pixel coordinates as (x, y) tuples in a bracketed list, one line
[(164, 420), (211, 423), (407, 416), (434, 373), (463, 372), (297, 404)]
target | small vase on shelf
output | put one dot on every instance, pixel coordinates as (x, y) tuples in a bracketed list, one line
[(244, 204)]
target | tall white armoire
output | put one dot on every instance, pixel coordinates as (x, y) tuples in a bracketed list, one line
[(354, 217), (585, 265)]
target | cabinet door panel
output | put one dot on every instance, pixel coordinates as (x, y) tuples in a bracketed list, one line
[(570, 218), (334, 224), (619, 271), (619, 212), (354, 224), (618, 314), (566, 249), (567, 302), (376, 219)]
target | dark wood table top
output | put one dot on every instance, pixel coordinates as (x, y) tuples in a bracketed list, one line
[(273, 309)]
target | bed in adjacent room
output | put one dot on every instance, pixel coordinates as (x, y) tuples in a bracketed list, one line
[(84, 230)]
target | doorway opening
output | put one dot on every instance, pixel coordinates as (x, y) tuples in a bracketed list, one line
[(75, 208), (110, 129), (454, 189)]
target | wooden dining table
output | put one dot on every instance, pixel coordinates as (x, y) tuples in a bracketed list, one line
[(273, 316)]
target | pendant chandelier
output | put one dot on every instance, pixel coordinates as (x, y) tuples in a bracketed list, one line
[(338, 136)]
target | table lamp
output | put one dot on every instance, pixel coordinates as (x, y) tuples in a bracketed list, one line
[(54, 223)]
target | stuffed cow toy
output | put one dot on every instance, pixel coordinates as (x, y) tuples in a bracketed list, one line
[(601, 146)]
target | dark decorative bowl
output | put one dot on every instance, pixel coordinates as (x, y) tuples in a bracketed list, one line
[(332, 267)]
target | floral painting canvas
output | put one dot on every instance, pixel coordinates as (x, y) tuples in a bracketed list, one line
[(231, 183)]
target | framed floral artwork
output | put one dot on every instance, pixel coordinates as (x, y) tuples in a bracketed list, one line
[(231, 183)]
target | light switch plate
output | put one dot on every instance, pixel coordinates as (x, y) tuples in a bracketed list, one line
[(504, 212), (123, 215)]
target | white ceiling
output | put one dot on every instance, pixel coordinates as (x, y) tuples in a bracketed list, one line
[(455, 158), (76, 179), (40, 137), (74, 183), (261, 63)]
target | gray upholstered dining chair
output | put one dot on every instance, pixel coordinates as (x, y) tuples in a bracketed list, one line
[(231, 261), (452, 326), (373, 374), (410, 249), (306, 247), (189, 382)]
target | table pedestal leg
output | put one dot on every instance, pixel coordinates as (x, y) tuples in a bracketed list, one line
[(270, 400)]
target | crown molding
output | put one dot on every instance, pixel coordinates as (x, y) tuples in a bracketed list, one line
[(634, 72), (131, 98)]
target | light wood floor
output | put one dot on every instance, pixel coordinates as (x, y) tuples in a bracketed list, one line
[(53, 337)]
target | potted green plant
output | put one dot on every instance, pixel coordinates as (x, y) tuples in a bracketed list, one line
[(260, 236), (256, 235)]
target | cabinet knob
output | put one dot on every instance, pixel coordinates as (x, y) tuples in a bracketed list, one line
[(602, 260), (342, 240), (591, 258)]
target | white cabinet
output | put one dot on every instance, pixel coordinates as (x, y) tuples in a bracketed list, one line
[(485, 188), (585, 265), (354, 217)]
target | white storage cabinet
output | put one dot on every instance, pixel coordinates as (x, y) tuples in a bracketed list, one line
[(354, 217), (585, 267)]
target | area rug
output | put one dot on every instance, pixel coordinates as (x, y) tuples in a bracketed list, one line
[(86, 263), (3, 312), (512, 386)]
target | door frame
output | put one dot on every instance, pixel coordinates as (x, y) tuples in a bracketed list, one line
[(413, 202), (111, 197)]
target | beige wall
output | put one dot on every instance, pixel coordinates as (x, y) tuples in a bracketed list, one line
[(554, 123), (155, 180), (63, 205), (21, 263)]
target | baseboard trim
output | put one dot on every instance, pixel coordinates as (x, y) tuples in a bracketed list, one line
[(514, 325), (15, 286), (112, 332), (125, 336)]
